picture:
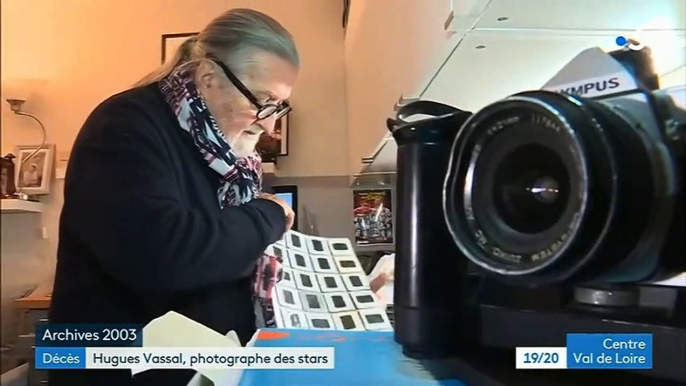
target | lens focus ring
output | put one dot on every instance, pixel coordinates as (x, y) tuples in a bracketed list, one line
[(517, 196)]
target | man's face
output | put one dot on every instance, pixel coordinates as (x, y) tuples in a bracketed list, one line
[(267, 76)]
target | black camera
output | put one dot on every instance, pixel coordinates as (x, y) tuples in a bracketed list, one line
[(544, 213)]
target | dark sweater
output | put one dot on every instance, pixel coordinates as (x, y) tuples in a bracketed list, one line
[(141, 233)]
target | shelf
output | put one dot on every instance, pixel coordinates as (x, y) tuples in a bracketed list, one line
[(389, 248), (268, 168), (20, 206)]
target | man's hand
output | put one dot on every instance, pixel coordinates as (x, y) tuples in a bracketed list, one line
[(287, 210), (378, 282)]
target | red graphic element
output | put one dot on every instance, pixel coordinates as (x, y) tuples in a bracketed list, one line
[(272, 335), (335, 337), (329, 337)]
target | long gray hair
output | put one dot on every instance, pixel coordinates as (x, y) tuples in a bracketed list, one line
[(231, 37)]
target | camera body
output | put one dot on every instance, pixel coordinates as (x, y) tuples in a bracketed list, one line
[(562, 208), (544, 187)]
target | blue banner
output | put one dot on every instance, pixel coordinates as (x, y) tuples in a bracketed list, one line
[(89, 335), (610, 351), (50, 358)]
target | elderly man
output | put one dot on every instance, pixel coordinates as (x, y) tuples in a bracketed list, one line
[(163, 207)]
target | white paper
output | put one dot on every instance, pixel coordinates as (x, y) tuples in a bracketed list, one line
[(385, 266), (176, 330)]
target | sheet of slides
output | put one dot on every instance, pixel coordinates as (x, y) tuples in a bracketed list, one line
[(324, 286)]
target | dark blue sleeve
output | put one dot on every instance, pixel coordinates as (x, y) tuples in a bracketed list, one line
[(123, 203)]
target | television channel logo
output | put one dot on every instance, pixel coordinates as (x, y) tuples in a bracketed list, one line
[(629, 43)]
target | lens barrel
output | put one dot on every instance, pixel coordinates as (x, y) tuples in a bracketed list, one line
[(544, 186)]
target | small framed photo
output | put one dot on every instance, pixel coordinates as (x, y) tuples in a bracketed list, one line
[(375, 319), (300, 260), (305, 281), (287, 279), (273, 145), (341, 247), (172, 42), (317, 245), (356, 282), (330, 283), (288, 298), (294, 319), (373, 216), (278, 251), (313, 302), (296, 240), (33, 172), (338, 302), (364, 299), (348, 264), (320, 321), (349, 321), (323, 264)]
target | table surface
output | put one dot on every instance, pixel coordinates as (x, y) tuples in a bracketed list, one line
[(376, 358), (39, 299)]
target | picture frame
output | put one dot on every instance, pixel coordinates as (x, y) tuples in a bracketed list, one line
[(275, 145), (34, 176), (346, 13), (172, 42), (373, 216), (8, 188)]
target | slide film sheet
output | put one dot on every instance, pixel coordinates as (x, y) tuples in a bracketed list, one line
[(324, 287)]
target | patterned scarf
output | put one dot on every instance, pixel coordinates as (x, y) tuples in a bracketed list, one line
[(240, 178)]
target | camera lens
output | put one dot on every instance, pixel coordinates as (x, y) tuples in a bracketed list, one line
[(531, 189), (541, 184)]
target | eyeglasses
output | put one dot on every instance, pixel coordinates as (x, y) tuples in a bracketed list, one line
[(264, 110)]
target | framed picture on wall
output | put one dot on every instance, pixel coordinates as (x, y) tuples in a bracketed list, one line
[(33, 171), (276, 144), (8, 186), (172, 42), (346, 12), (373, 216)]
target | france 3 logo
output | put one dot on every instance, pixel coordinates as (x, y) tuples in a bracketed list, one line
[(629, 43)]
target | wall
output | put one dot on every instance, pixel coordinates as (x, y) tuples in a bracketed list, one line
[(84, 51), (87, 51), (324, 201), (388, 52)]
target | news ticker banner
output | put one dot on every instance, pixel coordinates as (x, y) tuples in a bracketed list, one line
[(69, 346), (111, 346), (197, 358), (591, 352)]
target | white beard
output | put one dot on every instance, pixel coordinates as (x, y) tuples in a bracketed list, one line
[(244, 145)]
